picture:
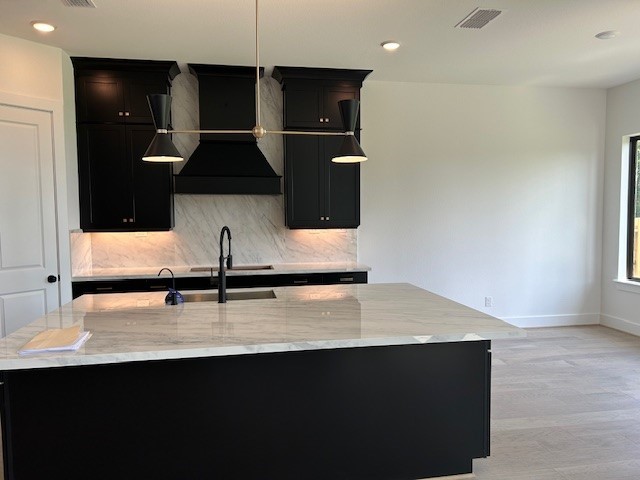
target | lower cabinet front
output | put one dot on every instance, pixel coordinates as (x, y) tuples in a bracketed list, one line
[(395, 412), (203, 283)]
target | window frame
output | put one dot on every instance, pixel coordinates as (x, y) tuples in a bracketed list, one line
[(631, 202)]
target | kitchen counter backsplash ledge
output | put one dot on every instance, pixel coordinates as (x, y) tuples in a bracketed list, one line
[(119, 273)]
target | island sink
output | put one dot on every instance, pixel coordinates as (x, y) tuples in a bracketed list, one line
[(213, 296)]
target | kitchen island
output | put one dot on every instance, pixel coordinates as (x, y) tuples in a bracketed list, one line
[(382, 381)]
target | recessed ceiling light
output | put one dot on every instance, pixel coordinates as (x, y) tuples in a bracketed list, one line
[(608, 34), (42, 26), (390, 46)]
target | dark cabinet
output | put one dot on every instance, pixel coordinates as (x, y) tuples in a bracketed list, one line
[(319, 193), (105, 98), (118, 191), (316, 105), (210, 282)]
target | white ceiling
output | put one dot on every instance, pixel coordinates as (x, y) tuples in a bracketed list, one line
[(534, 42)]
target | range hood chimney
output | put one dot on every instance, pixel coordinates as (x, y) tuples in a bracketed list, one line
[(227, 164)]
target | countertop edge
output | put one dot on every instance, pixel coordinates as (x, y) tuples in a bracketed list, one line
[(70, 359)]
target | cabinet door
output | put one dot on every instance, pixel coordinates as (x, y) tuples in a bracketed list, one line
[(342, 187), (303, 107), (136, 90), (106, 197), (100, 98), (304, 171), (331, 97), (153, 200)]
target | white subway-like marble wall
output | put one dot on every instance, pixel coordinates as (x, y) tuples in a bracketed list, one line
[(256, 221)]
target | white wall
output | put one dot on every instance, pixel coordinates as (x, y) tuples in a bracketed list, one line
[(35, 71), (474, 191), (30, 69), (620, 303)]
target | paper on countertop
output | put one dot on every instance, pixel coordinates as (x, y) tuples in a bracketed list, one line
[(56, 340)]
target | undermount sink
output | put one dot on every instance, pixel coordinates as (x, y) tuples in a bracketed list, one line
[(239, 267), (213, 296)]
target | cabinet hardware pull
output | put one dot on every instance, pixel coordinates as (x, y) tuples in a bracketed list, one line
[(300, 282), (124, 220), (346, 279), (120, 114), (326, 120), (103, 289), (131, 220), (321, 218), (126, 114), (158, 287), (326, 218), (322, 120)]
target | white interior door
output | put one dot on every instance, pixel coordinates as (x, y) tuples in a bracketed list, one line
[(28, 242)]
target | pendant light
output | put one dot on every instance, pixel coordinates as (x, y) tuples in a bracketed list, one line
[(162, 148), (350, 150)]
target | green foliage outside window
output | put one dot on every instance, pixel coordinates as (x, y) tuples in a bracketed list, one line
[(637, 192)]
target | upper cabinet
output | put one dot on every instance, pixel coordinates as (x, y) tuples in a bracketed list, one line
[(118, 191), (311, 95), (319, 193), (316, 106), (106, 98), (115, 91)]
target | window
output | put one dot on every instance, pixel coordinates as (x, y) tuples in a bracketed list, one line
[(633, 211)]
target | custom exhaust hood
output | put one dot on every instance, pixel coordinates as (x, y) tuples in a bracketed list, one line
[(227, 164)]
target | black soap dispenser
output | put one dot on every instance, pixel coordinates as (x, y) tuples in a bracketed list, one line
[(174, 297)]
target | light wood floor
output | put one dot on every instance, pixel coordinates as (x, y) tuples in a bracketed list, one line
[(566, 406)]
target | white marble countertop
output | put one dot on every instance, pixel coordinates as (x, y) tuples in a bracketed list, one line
[(185, 271), (139, 326)]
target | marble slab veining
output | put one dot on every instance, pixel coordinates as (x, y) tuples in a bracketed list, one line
[(139, 326)]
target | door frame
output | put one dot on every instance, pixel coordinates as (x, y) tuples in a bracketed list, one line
[(55, 108)]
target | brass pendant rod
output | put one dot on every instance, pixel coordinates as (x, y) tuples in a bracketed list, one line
[(250, 132), (315, 134), (209, 131), (257, 71)]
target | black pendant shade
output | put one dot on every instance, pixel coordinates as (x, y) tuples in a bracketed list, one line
[(349, 113), (350, 150), (161, 148), (160, 106)]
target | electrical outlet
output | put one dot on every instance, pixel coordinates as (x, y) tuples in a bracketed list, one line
[(488, 301)]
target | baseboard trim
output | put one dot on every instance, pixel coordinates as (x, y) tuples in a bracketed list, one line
[(554, 320), (464, 476), (620, 324)]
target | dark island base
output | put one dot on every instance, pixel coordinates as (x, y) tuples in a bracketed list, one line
[(376, 413)]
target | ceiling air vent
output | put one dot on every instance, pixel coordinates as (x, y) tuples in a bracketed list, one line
[(79, 3), (479, 18)]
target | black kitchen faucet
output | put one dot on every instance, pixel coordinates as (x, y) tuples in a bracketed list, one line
[(222, 277)]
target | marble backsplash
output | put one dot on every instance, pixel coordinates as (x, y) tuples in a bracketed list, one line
[(256, 221)]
